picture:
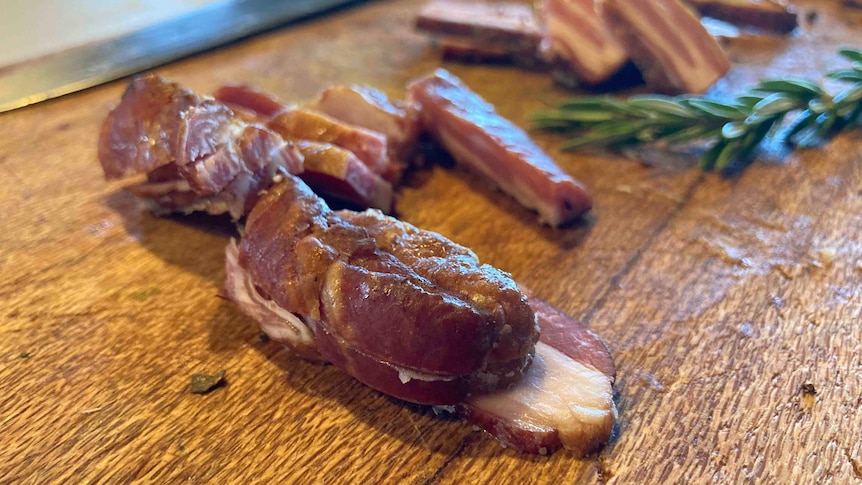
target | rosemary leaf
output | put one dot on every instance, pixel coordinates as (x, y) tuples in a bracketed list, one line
[(854, 55), (804, 121), (655, 104), (801, 87), (734, 128)]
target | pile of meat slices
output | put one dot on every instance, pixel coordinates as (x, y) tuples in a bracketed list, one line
[(590, 42), (403, 310)]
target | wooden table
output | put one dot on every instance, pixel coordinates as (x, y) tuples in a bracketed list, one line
[(719, 298)]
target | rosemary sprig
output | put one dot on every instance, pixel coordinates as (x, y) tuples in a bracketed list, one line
[(735, 129)]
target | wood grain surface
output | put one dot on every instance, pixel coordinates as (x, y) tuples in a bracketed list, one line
[(719, 297)]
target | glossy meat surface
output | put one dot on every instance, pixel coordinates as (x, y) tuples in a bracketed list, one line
[(336, 172), (476, 136), (385, 292)]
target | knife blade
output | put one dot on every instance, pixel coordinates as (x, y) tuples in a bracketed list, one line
[(88, 65)]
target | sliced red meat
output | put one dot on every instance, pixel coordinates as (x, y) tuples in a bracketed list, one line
[(371, 109), (512, 27), (334, 171), (306, 124), (199, 154), (139, 135), (469, 128), (387, 296), (250, 99), (667, 42), (295, 123), (580, 38)]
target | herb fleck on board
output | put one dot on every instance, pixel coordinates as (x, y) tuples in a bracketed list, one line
[(203, 383)]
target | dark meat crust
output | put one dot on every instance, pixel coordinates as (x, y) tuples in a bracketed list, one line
[(405, 297)]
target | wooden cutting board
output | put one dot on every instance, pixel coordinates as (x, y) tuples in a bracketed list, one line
[(732, 306)]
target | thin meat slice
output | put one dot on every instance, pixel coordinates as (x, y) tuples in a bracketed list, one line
[(250, 98), (581, 38), (388, 301), (250, 152), (306, 124), (334, 171), (564, 400), (360, 120), (371, 109), (296, 123), (470, 129), (508, 26), (773, 15), (667, 42)]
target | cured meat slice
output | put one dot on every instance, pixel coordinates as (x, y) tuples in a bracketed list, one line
[(198, 155), (581, 38), (565, 398), (215, 148), (380, 294), (469, 128), (371, 109), (773, 15), (306, 124), (667, 42), (249, 98), (336, 172), (486, 32), (508, 26)]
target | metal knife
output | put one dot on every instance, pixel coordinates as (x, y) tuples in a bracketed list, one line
[(92, 64)]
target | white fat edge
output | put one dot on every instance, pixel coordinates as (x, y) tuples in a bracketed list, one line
[(515, 187), (407, 375), (353, 108), (656, 37), (280, 324), (609, 55), (586, 400)]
